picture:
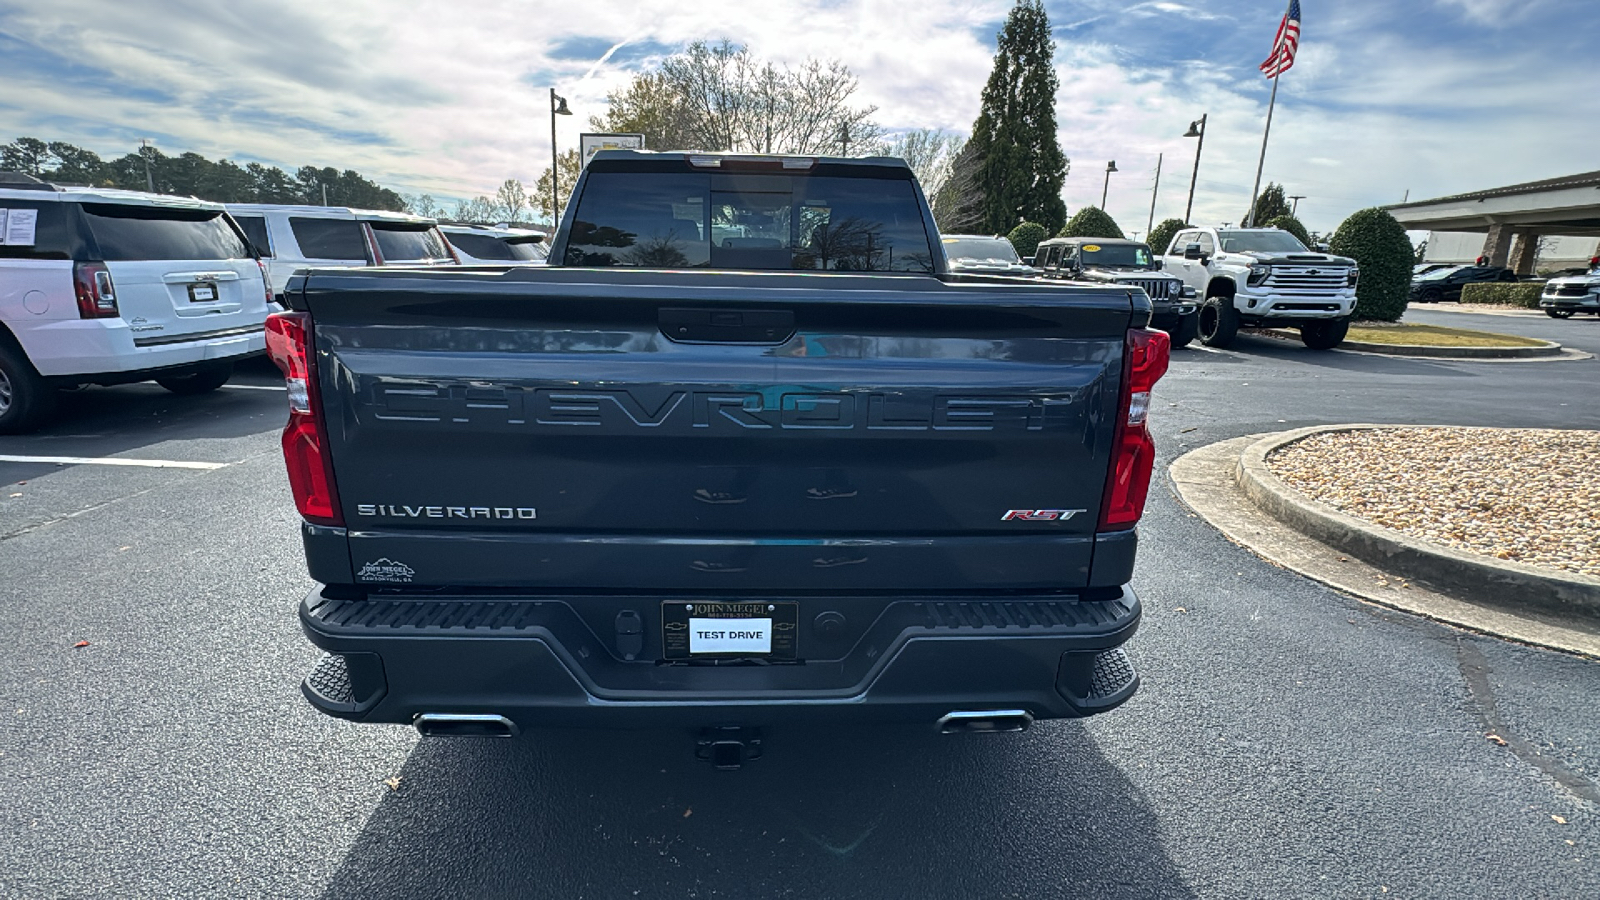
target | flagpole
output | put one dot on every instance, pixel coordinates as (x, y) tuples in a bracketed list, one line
[(1250, 220)]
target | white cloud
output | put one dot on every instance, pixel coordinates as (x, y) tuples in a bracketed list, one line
[(454, 98)]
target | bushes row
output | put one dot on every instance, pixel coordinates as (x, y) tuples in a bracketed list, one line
[(1505, 293)]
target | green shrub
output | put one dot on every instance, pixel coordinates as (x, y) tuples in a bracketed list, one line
[(1026, 237), (1379, 245), (1291, 225), (1091, 222), (1505, 293), (1160, 237)]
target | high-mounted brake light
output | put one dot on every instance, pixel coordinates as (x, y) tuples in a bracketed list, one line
[(305, 438), (1133, 453), (97, 297)]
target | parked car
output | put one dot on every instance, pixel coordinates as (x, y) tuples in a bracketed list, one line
[(1565, 295), (1424, 268), (497, 244), (101, 286), (295, 237), (1264, 278), (1446, 284), (1124, 262), (984, 255), (690, 478)]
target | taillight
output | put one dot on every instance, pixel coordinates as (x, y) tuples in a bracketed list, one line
[(305, 439), (97, 297), (266, 282), (1133, 453)]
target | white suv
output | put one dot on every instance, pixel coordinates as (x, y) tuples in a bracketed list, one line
[(497, 244), (1264, 278), (289, 238), (101, 286)]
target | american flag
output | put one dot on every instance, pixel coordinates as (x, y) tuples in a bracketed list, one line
[(1284, 45)]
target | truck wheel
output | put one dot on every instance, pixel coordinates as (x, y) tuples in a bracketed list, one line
[(207, 379), (1325, 334), (1188, 328), (1559, 313), (1219, 321), (25, 398)]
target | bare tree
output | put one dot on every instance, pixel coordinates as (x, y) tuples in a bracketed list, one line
[(720, 97), (511, 200), (930, 153)]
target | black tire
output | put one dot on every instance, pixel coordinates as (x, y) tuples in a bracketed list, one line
[(203, 381), (26, 399), (1559, 313), (1218, 322), (1431, 295), (1188, 329), (1324, 334)]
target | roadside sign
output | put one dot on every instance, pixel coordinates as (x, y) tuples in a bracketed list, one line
[(590, 144)]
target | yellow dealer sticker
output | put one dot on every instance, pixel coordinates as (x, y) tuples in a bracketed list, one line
[(1091, 248)]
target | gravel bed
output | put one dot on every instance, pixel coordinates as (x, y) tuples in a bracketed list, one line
[(1529, 496)]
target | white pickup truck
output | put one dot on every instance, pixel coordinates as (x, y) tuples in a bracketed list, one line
[(1573, 293), (1264, 278)]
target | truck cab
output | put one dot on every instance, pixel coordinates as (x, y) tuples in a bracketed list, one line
[(1264, 278)]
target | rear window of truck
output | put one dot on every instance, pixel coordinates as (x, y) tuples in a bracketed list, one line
[(128, 233), (692, 220)]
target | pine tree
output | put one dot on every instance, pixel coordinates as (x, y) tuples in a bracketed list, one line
[(1022, 167), (1269, 205)]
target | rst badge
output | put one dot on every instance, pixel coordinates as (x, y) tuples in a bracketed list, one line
[(1039, 515)]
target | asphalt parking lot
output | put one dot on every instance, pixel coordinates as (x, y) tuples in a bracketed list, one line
[(1288, 740)]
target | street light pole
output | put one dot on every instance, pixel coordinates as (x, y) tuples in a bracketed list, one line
[(558, 107), (1110, 167), (1153, 192), (1197, 129), (149, 180)]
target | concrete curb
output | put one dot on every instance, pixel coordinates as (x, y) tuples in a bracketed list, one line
[(1546, 348), (1476, 578), (1205, 480)]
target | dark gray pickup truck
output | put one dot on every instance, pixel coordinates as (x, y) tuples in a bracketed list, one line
[(743, 455)]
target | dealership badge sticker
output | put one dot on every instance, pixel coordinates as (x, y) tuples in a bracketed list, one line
[(386, 570)]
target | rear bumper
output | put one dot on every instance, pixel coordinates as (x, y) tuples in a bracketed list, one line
[(74, 348), (539, 661)]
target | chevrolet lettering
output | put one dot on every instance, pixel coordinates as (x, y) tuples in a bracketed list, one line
[(744, 454)]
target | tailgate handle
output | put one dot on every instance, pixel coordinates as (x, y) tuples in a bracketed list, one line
[(727, 326)]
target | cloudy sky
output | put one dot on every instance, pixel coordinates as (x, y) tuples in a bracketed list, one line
[(1387, 96)]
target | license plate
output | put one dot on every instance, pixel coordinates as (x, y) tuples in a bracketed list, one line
[(693, 630), (202, 293)]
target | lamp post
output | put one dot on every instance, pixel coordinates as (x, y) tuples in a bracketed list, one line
[(1197, 129), (1110, 167), (144, 151), (558, 107)]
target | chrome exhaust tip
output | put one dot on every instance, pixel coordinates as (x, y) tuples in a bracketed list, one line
[(968, 721), (464, 725)]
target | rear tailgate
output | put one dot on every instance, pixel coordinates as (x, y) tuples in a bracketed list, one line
[(646, 430), (180, 274)]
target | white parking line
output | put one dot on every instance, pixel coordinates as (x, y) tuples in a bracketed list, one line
[(255, 387), (112, 461)]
